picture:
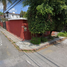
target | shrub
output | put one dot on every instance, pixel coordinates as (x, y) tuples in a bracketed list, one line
[(43, 39), (62, 34), (56, 37), (51, 37), (36, 40)]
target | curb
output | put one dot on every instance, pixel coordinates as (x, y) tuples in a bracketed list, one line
[(36, 49), (44, 46), (11, 41)]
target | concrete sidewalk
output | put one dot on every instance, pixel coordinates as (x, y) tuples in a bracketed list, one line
[(10, 35), (26, 45)]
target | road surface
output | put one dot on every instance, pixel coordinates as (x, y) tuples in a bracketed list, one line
[(52, 56)]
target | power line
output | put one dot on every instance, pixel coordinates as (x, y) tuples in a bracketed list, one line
[(12, 6)]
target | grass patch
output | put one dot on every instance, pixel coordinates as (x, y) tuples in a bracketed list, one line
[(17, 47), (14, 42), (28, 51), (6, 36), (64, 34)]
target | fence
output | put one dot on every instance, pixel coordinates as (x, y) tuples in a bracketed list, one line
[(19, 27)]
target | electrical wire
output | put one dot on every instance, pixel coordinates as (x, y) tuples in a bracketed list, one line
[(12, 6)]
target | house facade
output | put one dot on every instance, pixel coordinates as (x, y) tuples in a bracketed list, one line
[(12, 15)]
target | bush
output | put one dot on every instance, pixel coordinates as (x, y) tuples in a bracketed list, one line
[(51, 37), (36, 40), (64, 34), (61, 34), (43, 39)]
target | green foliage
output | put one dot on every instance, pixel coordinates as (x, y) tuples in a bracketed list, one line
[(22, 13), (1, 13), (25, 15), (4, 19), (46, 15), (61, 34), (4, 2), (50, 37), (44, 8), (35, 23), (36, 40), (64, 34), (43, 39), (37, 27)]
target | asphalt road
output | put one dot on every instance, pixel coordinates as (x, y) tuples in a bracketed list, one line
[(52, 56), (10, 56)]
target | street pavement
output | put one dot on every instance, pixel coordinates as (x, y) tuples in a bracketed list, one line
[(10, 56), (52, 56)]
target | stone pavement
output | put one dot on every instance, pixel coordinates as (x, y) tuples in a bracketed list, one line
[(26, 45)]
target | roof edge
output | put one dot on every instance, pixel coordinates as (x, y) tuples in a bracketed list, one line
[(18, 19)]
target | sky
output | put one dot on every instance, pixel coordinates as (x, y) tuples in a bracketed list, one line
[(17, 9)]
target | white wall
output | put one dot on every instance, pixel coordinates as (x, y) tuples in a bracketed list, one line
[(12, 16)]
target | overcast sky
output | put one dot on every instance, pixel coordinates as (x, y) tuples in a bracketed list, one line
[(15, 9)]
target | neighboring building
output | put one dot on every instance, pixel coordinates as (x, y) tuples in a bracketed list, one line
[(12, 15)]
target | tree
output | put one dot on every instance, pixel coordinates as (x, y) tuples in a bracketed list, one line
[(55, 11), (4, 2), (1, 13), (25, 15), (22, 13), (34, 27), (46, 15)]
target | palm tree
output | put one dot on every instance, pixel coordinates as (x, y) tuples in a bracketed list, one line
[(4, 2)]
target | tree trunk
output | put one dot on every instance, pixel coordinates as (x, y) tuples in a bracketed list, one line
[(50, 34), (42, 35), (4, 8), (49, 18), (3, 13)]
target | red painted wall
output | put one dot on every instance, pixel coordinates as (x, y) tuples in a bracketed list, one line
[(53, 32), (27, 34), (15, 27), (1, 24), (47, 33), (7, 26)]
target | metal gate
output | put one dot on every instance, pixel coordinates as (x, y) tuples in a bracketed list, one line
[(4, 25)]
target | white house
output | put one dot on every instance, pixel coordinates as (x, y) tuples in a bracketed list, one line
[(12, 15)]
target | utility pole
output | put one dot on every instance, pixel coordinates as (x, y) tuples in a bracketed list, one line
[(21, 11)]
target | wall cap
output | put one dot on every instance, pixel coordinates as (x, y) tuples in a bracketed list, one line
[(18, 19)]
